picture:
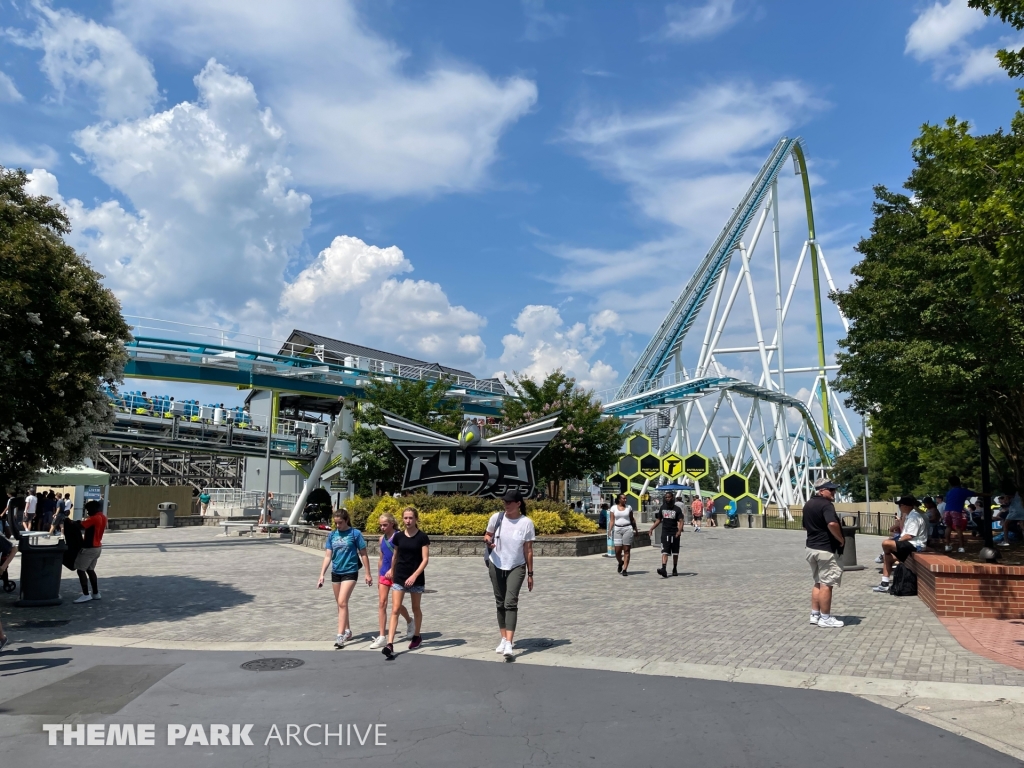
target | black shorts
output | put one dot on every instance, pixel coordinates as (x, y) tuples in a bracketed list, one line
[(904, 549), (670, 545), (337, 578), (5, 546)]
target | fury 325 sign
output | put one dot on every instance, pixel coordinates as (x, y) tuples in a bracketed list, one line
[(496, 465)]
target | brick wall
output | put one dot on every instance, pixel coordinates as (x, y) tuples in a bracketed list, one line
[(969, 590)]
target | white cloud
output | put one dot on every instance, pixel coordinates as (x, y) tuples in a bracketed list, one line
[(214, 220), (100, 59), (544, 343), (940, 27), (541, 23), (9, 93), (350, 287), (360, 118), (695, 155), (695, 22), (939, 35), (15, 155)]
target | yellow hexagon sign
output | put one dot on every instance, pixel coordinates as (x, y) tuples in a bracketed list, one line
[(697, 466), (638, 445), (734, 485), (671, 465), (650, 466), (629, 466), (748, 505)]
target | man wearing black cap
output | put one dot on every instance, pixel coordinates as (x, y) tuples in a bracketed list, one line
[(824, 542), (913, 537)]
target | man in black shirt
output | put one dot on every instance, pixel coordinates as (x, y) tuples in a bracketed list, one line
[(824, 542), (670, 518)]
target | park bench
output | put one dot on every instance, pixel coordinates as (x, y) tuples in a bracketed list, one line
[(239, 525)]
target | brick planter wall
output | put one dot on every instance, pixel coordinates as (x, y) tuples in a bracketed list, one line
[(969, 590), (473, 546)]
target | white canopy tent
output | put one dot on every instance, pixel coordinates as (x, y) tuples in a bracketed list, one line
[(81, 477)]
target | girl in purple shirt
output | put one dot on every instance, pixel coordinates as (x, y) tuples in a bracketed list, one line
[(388, 526)]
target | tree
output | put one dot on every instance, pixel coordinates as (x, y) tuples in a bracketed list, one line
[(1012, 13), (588, 443), (61, 335), (374, 458), (937, 306)]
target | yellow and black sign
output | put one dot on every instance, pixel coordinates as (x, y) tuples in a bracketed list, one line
[(650, 466), (620, 481), (671, 465), (734, 485), (748, 505), (697, 466)]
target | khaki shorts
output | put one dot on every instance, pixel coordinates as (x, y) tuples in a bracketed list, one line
[(622, 536), (86, 558), (824, 567)]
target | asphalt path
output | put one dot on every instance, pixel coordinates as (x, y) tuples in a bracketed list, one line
[(433, 711)]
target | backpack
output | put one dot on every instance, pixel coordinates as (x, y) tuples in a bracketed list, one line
[(904, 582)]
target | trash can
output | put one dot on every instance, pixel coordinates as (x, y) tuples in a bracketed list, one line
[(167, 510), (848, 560), (40, 573)]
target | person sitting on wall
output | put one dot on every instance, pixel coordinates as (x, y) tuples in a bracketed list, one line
[(913, 537)]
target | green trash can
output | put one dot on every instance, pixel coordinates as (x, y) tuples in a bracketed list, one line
[(40, 573)]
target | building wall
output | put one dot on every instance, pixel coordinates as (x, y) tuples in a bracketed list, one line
[(141, 500)]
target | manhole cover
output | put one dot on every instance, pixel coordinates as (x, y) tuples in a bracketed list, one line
[(272, 665), (429, 591), (39, 624)]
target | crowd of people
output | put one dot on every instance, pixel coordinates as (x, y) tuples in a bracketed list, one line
[(50, 514)]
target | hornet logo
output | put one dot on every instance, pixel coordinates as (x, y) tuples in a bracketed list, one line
[(496, 464)]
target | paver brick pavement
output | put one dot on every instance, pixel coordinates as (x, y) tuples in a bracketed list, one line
[(742, 599)]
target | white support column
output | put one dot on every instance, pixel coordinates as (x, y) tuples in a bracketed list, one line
[(715, 304), (318, 467), (345, 448)]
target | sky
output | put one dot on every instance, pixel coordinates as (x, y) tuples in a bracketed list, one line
[(510, 186)]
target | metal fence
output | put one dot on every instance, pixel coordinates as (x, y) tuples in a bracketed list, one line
[(874, 524)]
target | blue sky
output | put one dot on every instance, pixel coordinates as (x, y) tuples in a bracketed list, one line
[(500, 186)]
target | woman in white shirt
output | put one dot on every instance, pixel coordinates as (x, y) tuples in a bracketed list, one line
[(623, 526), (509, 541)]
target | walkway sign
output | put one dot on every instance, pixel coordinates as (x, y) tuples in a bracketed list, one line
[(697, 466), (671, 465), (650, 466)]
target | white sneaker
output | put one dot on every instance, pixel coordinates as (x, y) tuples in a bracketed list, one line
[(815, 617), (501, 646), (510, 649), (880, 559), (410, 629), (961, 550), (949, 548), (84, 599), (343, 638), (1003, 544), (830, 623), (379, 643), (96, 596)]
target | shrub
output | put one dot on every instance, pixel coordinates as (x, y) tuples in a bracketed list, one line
[(546, 522), (392, 505), (577, 522), (360, 510)]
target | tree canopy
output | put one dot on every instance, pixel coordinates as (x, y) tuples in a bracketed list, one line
[(1012, 13), (937, 309), (588, 442), (61, 335), (374, 458)]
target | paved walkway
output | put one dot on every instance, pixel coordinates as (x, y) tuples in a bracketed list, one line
[(1001, 641), (743, 602)]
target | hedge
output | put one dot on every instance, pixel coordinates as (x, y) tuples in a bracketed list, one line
[(464, 515)]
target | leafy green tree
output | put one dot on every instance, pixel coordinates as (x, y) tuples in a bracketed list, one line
[(1012, 13), (374, 458), (588, 443), (61, 335), (937, 306)]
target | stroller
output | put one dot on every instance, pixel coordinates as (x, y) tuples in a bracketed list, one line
[(8, 585)]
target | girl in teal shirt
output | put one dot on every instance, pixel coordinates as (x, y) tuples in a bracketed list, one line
[(345, 548)]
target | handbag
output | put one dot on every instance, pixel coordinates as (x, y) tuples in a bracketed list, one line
[(497, 535)]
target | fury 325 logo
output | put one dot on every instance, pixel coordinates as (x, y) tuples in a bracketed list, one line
[(497, 464)]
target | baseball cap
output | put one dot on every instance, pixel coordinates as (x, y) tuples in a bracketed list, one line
[(512, 495), (825, 485)]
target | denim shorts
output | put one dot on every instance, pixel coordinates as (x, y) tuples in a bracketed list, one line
[(411, 590)]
